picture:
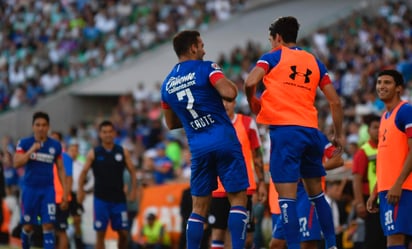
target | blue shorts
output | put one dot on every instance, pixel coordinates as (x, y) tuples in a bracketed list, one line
[(38, 202), (308, 220), (114, 212), (227, 163), (295, 152), (396, 219)]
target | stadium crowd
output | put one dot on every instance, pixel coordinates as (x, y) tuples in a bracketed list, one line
[(46, 45)]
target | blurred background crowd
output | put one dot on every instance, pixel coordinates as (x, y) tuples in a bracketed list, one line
[(46, 45)]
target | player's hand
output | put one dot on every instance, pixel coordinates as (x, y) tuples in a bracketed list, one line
[(132, 195), (371, 204), (361, 210), (262, 192), (35, 147), (255, 105), (337, 141), (64, 205), (80, 196), (394, 194)]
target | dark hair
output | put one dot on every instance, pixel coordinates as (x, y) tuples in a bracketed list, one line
[(397, 76), (104, 124), (59, 135), (370, 118), (183, 40), (42, 115), (287, 27)]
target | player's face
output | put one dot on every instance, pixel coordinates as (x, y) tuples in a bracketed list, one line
[(107, 134), (40, 128), (200, 49), (374, 130), (387, 89)]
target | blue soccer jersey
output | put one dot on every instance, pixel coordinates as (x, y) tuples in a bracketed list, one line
[(188, 90), (39, 168), (216, 151)]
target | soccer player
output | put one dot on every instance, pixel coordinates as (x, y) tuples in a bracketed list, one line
[(108, 161), (310, 231), (248, 135), (192, 96), (364, 180), (291, 77), (38, 154), (393, 162)]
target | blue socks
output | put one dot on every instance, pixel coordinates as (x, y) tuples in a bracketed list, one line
[(238, 219), (25, 239), (325, 218), (290, 222), (397, 247), (48, 240), (194, 231)]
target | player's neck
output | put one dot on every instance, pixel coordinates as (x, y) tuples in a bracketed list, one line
[(108, 146), (392, 104), (40, 139)]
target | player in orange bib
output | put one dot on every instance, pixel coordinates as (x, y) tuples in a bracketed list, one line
[(393, 162), (291, 77)]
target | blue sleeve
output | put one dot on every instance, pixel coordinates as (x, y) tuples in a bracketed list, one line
[(403, 119), (23, 145), (68, 164), (272, 59), (322, 68)]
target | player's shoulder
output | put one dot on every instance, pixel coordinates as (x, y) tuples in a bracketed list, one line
[(213, 65), (405, 111), (26, 140)]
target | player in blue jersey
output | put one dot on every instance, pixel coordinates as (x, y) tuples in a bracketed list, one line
[(108, 162), (192, 96), (38, 154)]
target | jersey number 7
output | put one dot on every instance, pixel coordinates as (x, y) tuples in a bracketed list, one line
[(190, 100)]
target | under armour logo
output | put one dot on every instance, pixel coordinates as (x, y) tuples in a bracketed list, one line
[(294, 73), (384, 135)]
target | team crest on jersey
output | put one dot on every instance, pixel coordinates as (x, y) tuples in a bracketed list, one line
[(118, 157), (215, 66), (52, 150), (26, 218)]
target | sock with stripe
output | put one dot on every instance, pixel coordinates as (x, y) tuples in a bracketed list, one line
[(218, 244), (48, 240), (290, 222), (194, 231), (238, 219), (324, 213), (25, 239)]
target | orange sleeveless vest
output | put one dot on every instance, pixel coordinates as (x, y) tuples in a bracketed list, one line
[(392, 152), (58, 188), (273, 199), (241, 132), (291, 90)]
